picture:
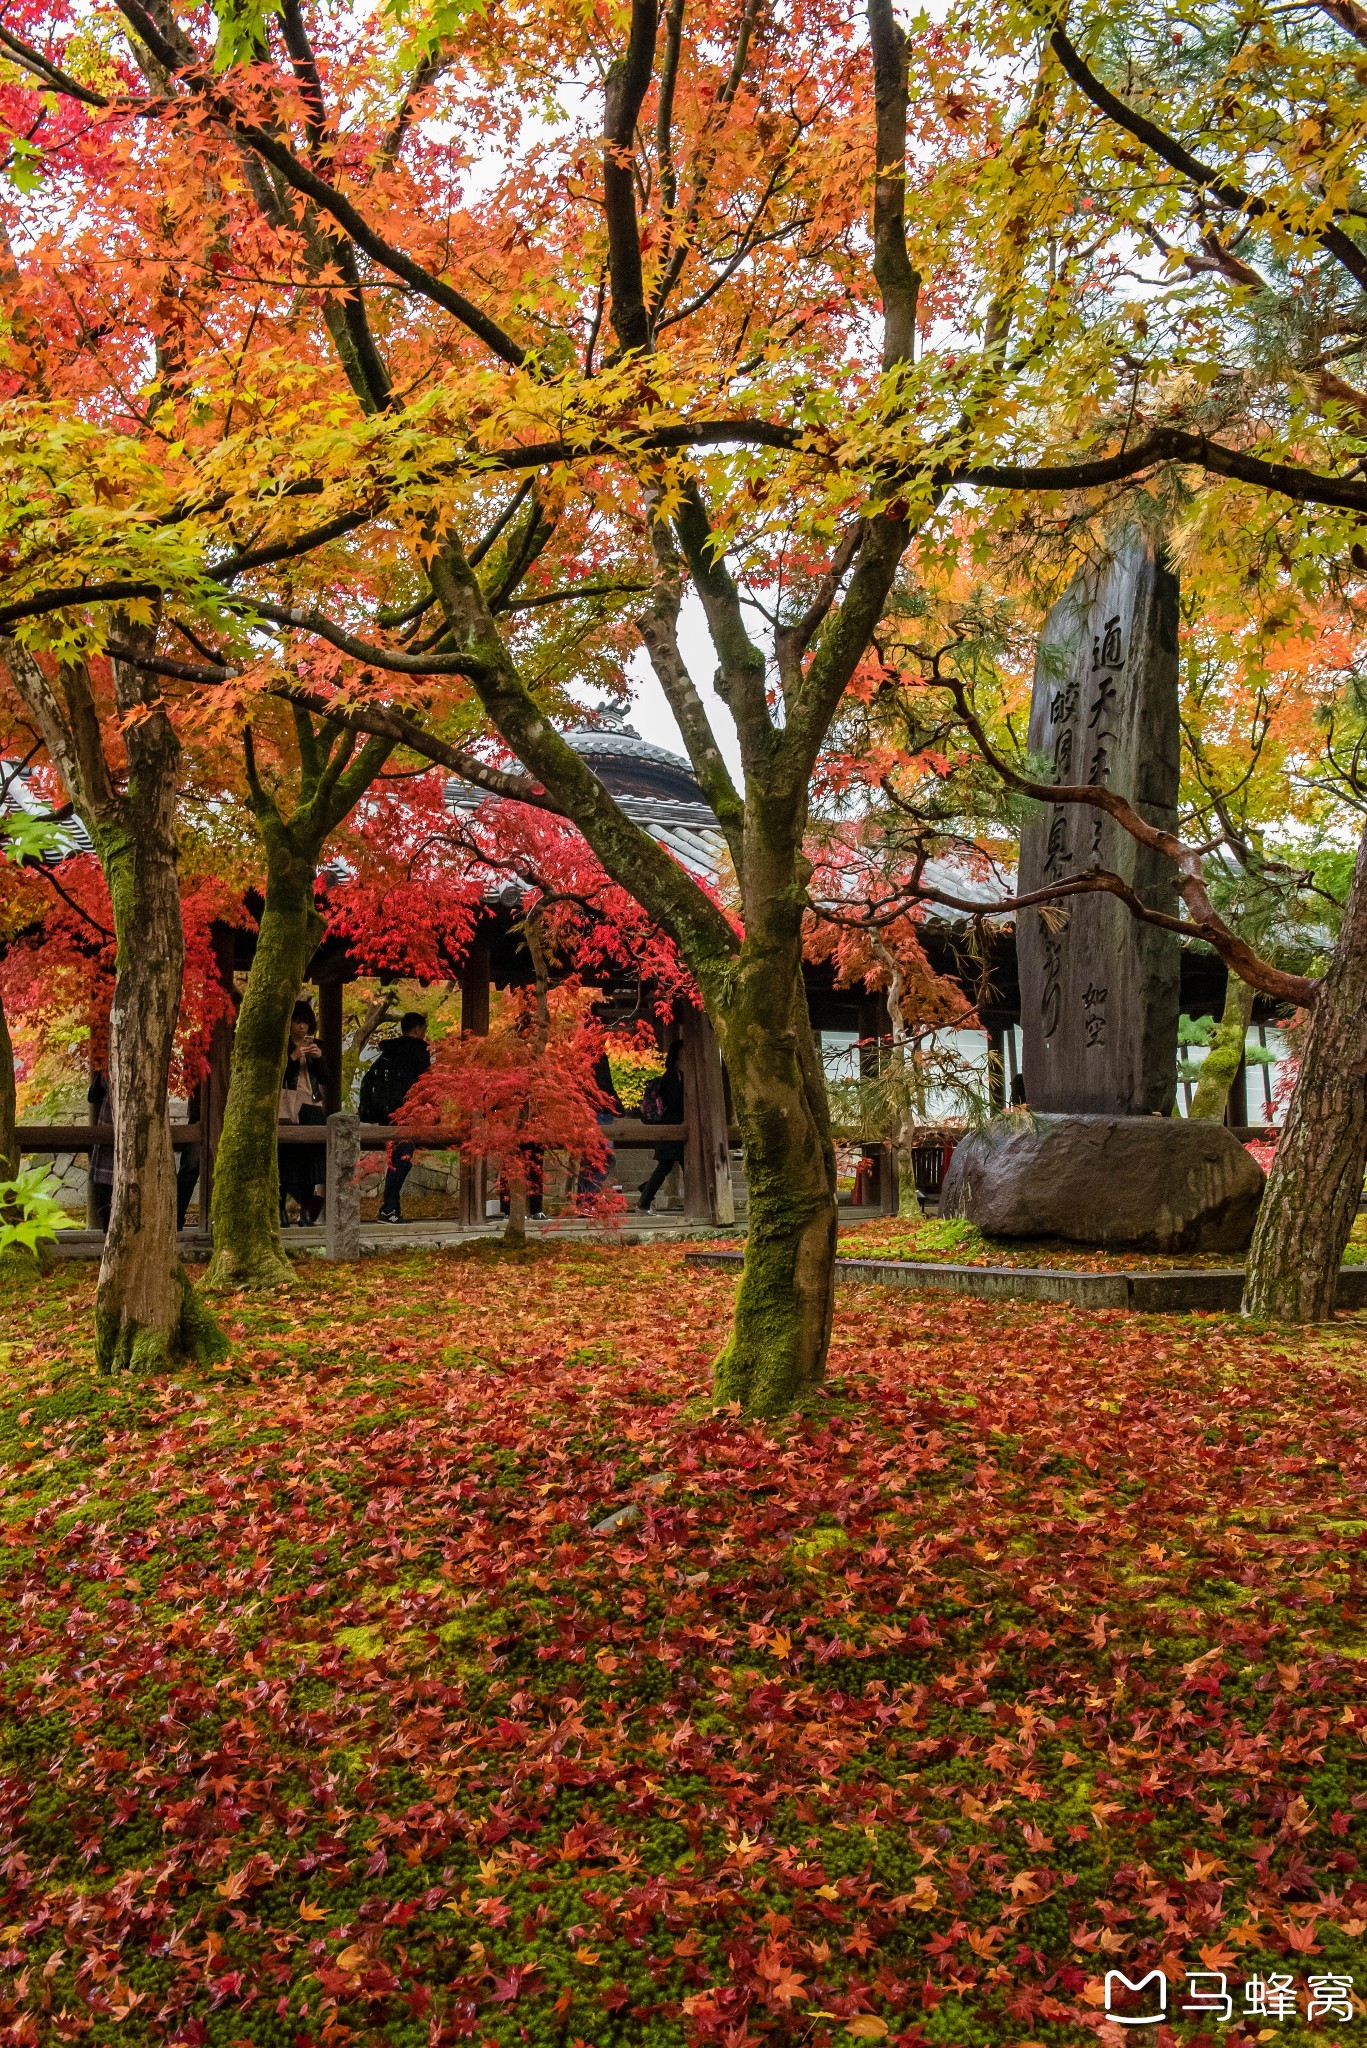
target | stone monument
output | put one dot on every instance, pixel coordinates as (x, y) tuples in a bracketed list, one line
[(1099, 1157), (1099, 989)]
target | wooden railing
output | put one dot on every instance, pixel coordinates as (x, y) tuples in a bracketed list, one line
[(346, 1141), (82, 1137)]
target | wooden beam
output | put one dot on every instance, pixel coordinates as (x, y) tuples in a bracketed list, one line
[(330, 1039), (708, 1193), (474, 1023), (80, 1137)]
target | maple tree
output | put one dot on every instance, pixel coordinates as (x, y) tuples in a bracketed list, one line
[(522, 1089), (296, 806), (147, 1313), (708, 141), (666, 337)]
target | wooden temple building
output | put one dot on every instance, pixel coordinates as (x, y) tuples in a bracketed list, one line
[(658, 790)]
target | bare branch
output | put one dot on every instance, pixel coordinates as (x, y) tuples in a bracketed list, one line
[(1205, 921), (628, 81), (385, 722)]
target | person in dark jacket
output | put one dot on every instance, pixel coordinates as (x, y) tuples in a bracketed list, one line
[(303, 1168), (402, 1062), (671, 1152)]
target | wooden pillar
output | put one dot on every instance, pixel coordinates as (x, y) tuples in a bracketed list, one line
[(330, 1039), (213, 1091), (1012, 1070), (1265, 1070), (474, 989), (99, 1064), (708, 1194), (996, 1069), (874, 1028), (342, 1203), (1236, 1109), (474, 1023)]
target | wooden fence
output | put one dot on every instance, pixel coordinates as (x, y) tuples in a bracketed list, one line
[(707, 1180)]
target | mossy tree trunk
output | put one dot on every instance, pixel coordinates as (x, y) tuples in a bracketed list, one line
[(776, 1352), (1312, 1191), (9, 1151), (1223, 1060), (246, 1198), (147, 1315), (333, 776)]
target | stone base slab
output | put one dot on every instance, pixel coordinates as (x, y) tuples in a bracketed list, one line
[(1169, 1292), (1127, 1183)]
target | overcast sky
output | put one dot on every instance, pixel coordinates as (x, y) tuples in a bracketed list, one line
[(650, 713)]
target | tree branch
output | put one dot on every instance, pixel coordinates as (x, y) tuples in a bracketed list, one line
[(740, 678), (897, 281), (426, 72), (1164, 444), (1348, 15), (658, 627), (1331, 239), (385, 722), (348, 216), (1206, 923), (628, 81), (681, 234), (388, 658), (48, 73), (631, 856)]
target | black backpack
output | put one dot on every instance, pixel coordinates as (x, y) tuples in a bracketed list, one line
[(654, 1109), (377, 1087)]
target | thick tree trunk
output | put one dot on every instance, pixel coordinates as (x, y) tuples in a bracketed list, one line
[(9, 1154), (147, 1316), (776, 1353), (1226, 1053), (16, 1260), (246, 1202), (1312, 1191)]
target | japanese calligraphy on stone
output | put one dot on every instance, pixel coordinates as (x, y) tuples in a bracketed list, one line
[(1099, 990)]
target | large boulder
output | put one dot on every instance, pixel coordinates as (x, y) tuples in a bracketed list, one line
[(1134, 1183)]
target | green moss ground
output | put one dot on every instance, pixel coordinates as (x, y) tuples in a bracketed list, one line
[(1036, 1647)]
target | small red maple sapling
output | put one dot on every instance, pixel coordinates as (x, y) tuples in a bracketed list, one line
[(526, 1089)]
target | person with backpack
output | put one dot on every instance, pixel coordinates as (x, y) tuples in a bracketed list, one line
[(402, 1061), (663, 1103)]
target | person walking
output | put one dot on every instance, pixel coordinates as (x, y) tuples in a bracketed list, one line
[(402, 1061), (663, 1103)]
